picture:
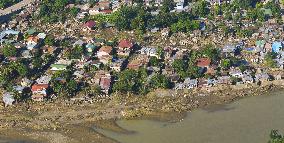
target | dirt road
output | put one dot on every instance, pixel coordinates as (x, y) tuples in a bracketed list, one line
[(15, 7)]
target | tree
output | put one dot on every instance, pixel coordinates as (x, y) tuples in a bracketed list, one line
[(200, 9), (131, 81), (160, 81), (9, 50), (181, 67), (94, 90), (37, 62), (276, 137), (63, 84), (49, 41), (167, 6), (154, 61), (21, 68), (269, 60), (226, 63), (74, 11), (75, 52), (211, 52), (217, 10)]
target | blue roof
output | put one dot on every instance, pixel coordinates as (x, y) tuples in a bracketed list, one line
[(276, 46), (202, 26), (13, 32)]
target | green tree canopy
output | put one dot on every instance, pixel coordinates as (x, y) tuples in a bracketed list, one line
[(9, 50)]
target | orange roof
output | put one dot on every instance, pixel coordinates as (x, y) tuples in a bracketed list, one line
[(38, 87), (106, 49), (33, 38)]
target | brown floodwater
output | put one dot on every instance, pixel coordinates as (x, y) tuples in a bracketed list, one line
[(248, 120)]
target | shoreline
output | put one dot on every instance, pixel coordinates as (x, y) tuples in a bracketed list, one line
[(61, 122)]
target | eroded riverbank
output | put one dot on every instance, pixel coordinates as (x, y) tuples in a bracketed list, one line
[(248, 120)]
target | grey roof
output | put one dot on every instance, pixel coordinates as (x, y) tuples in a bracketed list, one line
[(229, 48), (8, 98)]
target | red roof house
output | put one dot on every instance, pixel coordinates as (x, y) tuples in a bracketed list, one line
[(105, 84), (203, 62), (125, 44), (39, 91), (89, 25), (124, 47), (39, 87)]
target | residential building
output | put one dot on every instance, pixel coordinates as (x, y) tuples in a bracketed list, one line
[(124, 47)]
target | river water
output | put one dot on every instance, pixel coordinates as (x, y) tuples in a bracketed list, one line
[(248, 120)]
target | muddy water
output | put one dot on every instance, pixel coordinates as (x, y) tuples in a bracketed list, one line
[(248, 120)]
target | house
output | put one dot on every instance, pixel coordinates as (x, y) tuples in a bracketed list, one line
[(116, 64), (103, 79), (58, 67), (94, 11), (106, 11), (180, 5), (39, 91), (64, 62), (211, 70), (8, 98), (89, 25), (179, 86), (231, 49), (32, 42), (79, 74), (253, 49), (19, 88), (26, 54), (104, 5), (234, 72), (165, 32), (202, 82), (90, 47), (247, 78), (81, 64), (19, 45), (268, 47), (41, 35), (105, 84), (203, 62), (190, 83), (136, 62), (151, 52), (79, 43), (96, 63), (124, 47), (260, 43), (276, 46), (82, 15), (267, 12), (155, 29), (104, 54), (173, 78), (31, 31), (26, 82), (224, 80), (48, 49), (211, 82), (262, 77), (45, 79)]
